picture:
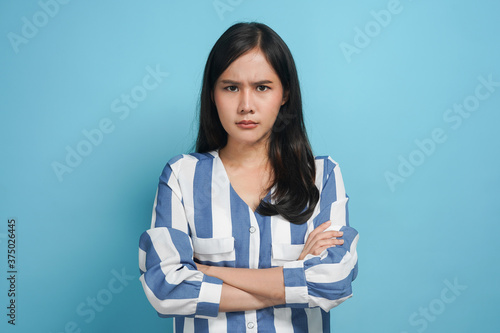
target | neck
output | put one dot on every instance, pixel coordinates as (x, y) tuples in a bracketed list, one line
[(241, 154)]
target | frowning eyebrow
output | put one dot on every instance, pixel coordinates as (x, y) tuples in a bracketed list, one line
[(236, 83)]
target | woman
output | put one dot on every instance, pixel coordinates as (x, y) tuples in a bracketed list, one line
[(250, 233)]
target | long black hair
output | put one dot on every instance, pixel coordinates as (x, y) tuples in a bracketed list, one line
[(290, 155)]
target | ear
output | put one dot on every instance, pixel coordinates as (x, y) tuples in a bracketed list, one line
[(285, 97)]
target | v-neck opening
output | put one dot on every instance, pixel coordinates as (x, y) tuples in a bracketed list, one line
[(268, 194)]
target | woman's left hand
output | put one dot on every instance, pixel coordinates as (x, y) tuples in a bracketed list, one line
[(319, 240)]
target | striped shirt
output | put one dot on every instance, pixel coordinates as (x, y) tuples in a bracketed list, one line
[(198, 217)]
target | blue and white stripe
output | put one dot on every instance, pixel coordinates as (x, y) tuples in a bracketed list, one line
[(198, 217)]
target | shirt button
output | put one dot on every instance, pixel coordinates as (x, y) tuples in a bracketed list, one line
[(250, 325), (252, 230)]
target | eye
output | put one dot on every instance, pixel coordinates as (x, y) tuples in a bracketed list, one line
[(262, 88), (231, 88)]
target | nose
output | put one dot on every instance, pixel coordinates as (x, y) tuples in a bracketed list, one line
[(246, 102)]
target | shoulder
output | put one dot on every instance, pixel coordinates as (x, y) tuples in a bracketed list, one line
[(186, 163), (325, 163), (327, 168)]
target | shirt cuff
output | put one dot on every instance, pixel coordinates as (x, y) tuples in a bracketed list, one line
[(296, 292), (209, 297)]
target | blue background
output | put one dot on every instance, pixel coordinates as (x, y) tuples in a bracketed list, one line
[(435, 225)]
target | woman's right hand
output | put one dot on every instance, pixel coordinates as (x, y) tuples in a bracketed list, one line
[(319, 240)]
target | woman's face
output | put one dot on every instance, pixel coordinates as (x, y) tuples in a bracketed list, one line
[(248, 96)]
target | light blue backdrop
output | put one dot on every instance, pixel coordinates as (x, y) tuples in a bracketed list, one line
[(405, 95)]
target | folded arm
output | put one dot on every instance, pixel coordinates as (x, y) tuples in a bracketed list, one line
[(267, 285), (324, 271)]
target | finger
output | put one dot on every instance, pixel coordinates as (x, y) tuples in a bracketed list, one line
[(336, 241), (331, 234), (319, 250), (339, 241), (326, 243), (321, 246), (322, 228), (338, 233), (319, 233), (314, 241), (335, 233), (319, 229), (325, 235)]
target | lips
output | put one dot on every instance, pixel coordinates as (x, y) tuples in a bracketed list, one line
[(246, 124)]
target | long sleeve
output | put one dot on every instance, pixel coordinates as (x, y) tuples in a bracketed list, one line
[(325, 280), (199, 218), (171, 282)]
